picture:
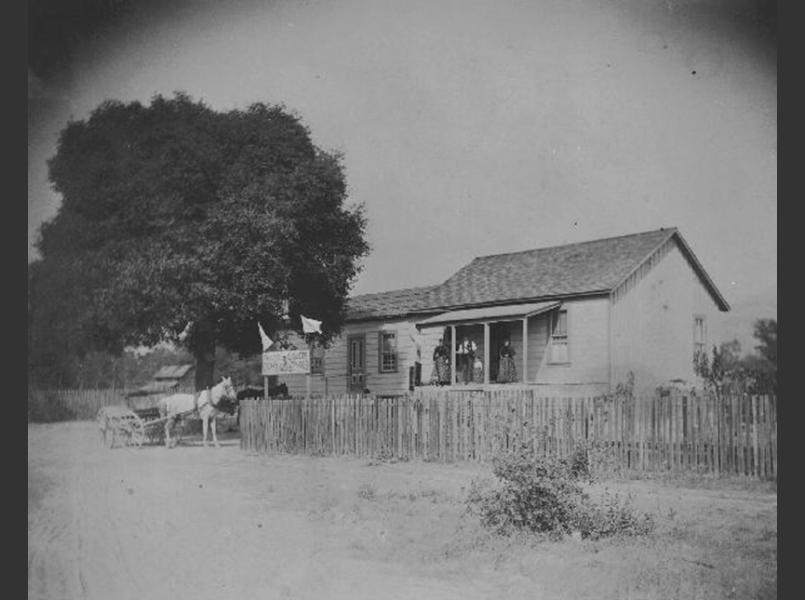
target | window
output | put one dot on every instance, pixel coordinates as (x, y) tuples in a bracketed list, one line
[(699, 335), (317, 360), (387, 352), (559, 351)]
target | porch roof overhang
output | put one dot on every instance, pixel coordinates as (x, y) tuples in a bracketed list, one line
[(489, 314)]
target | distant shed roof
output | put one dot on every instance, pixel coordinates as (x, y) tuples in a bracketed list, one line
[(172, 372)]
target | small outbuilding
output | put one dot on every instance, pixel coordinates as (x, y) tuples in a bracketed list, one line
[(170, 379)]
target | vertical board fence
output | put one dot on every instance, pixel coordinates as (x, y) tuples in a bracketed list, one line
[(733, 435), (62, 404)]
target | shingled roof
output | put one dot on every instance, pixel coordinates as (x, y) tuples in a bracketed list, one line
[(597, 266), (395, 303), (584, 268)]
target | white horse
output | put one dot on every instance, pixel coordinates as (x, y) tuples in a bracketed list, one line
[(207, 404)]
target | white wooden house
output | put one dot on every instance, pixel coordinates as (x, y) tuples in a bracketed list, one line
[(580, 318)]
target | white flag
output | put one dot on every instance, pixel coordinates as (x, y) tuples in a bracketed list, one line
[(185, 332), (267, 342), (310, 325)]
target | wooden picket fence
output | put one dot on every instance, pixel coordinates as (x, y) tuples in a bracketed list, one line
[(733, 435), (65, 404)]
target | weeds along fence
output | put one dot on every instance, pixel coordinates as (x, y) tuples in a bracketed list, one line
[(66, 405), (731, 435)]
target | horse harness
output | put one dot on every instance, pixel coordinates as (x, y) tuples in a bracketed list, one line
[(207, 394)]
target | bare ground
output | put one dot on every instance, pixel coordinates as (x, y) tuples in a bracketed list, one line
[(220, 523)]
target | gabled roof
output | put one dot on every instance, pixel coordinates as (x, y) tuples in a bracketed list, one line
[(584, 268), (395, 303)]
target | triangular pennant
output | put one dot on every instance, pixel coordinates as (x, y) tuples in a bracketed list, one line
[(267, 342)]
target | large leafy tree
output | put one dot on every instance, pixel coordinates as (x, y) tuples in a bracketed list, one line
[(173, 213)]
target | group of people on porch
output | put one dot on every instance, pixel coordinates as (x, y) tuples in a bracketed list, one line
[(470, 363)]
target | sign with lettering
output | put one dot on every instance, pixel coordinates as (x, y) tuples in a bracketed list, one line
[(286, 362)]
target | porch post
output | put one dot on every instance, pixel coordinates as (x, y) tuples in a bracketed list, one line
[(525, 349), (453, 373), (486, 354)]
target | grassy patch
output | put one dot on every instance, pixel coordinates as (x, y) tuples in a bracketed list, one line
[(709, 542)]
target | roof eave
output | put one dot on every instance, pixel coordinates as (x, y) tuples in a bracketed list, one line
[(398, 317), (558, 297), (673, 233), (723, 305)]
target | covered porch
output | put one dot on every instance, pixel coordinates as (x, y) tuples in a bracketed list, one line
[(526, 327)]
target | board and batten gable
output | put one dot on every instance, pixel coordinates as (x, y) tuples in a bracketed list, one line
[(652, 320), (380, 383)]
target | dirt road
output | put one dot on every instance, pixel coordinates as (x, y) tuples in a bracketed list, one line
[(190, 522), (219, 523)]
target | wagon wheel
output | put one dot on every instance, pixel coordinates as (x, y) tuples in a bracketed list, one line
[(135, 431), (119, 431)]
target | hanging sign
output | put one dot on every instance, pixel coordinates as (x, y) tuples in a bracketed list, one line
[(286, 362)]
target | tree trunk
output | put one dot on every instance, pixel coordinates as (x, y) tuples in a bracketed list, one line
[(204, 353)]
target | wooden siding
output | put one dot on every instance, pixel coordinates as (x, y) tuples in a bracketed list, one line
[(334, 377), (652, 321), (587, 346), (538, 328)]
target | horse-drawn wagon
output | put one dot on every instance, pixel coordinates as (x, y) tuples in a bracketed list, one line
[(149, 419), (127, 426)]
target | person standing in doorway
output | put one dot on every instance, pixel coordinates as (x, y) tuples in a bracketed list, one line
[(465, 356), (507, 369), (441, 364)]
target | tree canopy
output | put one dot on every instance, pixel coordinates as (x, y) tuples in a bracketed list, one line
[(173, 213), (766, 334), (726, 370)]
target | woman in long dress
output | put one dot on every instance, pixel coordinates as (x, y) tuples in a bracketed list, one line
[(478, 370), (441, 364), (507, 370)]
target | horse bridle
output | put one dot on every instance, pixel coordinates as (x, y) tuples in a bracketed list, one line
[(209, 400)]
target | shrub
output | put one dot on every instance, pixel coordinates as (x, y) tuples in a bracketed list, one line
[(545, 496), (593, 459), (578, 464), (611, 516), (536, 496)]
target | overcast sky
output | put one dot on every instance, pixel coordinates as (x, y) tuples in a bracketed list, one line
[(471, 128)]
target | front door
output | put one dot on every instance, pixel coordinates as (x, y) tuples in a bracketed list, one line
[(356, 364)]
